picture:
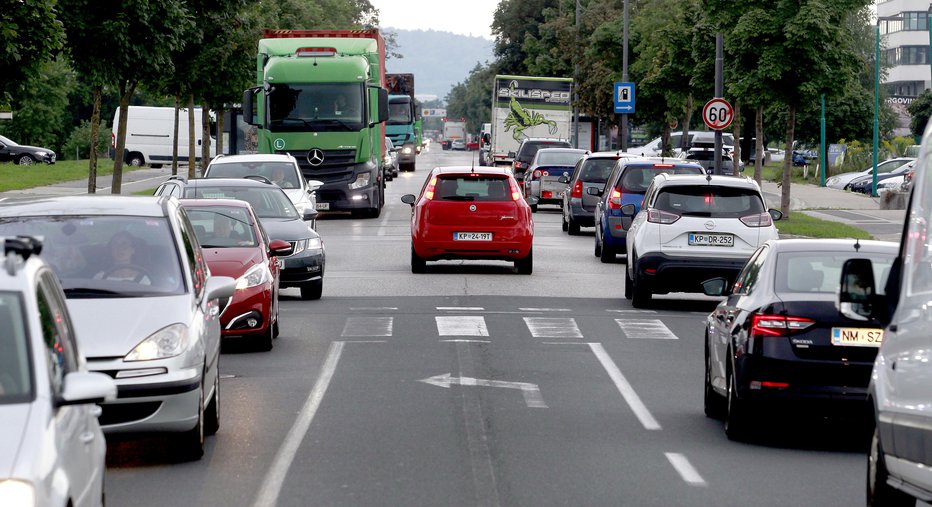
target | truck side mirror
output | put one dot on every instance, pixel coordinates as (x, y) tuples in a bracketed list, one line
[(487, 138), (857, 295), (250, 112), (383, 105)]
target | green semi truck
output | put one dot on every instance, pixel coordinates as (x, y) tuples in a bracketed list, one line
[(404, 119), (321, 97)]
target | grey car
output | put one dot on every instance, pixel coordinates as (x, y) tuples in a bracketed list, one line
[(144, 305), (591, 171), (549, 174)]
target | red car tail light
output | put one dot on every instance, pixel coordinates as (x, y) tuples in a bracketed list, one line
[(516, 194), (614, 200), (577, 190), (655, 216), (777, 325), (759, 220), (431, 188)]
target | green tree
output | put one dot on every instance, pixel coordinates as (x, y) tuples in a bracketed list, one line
[(42, 107), (512, 23), (920, 110), (472, 99), (30, 32)]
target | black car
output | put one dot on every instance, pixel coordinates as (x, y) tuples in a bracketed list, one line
[(777, 340), (526, 151), (278, 217), (864, 184), (590, 171), (24, 155)]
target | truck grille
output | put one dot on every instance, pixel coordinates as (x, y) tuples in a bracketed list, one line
[(336, 163)]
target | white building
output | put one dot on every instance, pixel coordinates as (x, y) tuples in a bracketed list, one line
[(906, 46)]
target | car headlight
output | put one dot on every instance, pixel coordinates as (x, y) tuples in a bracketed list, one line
[(406, 150), (18, 493), (169, 341), (387, 160), (256, 275), (362, 180), (299, 246), (315, 244)]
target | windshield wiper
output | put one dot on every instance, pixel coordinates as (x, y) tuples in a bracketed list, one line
[(302, 120), (341, 123)]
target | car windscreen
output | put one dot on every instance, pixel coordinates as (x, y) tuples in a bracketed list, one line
[(562, 158), (222, 227), (636, 178), (106, 256), (709, 201), (283, 174), (596, 170), (16, 380), (529, 149), (267, 202), (821, 271), (472, 188)]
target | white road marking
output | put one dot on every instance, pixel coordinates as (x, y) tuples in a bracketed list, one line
[(460, 308), (275, 477), (462, 325), (546, 327), (383, 222), (563, 343), (465, 341), (685, 469), (368, 326), (372, 308), (652, 329), (627, 392), (545, 309), (531, 392), (630, 311)]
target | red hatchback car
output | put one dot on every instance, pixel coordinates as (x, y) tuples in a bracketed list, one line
[(471, 213), (235, 245)]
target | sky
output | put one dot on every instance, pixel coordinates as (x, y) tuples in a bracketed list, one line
[(465, 17)]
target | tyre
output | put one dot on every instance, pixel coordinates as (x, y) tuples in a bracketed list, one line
[(641, 295), (629, 285), (879, 493), (563, 224), (136, 160), (525, 266), (598, 243), (418, 264), (572, 227), (312, 290), (711, 401), (407, 167), (265, 339), (25, 160), (191, 443), (533, 208), (212, 414), (736, 411), (607, 255)]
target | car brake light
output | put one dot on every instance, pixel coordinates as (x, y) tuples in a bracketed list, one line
[(663, 165), (577, 190), (656, 216), (777, 325), (431, 187), (758, 220), (614, 200), (536, 175)]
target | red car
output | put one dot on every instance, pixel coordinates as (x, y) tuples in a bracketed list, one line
[(235, 245), (471, 213)]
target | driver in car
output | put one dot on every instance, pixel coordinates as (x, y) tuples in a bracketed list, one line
[(122, 248)]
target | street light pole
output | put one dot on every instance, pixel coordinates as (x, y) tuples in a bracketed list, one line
[(624, 75), (576, 84)]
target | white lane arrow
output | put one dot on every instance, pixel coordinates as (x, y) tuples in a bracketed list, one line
[(530, 391)]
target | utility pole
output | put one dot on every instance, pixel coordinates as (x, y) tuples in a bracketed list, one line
[(576, 83), (624, 77), (719, 93)]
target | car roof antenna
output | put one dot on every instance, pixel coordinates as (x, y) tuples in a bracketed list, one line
[(857, 244)]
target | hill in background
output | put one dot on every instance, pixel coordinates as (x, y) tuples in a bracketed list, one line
[(438, 60)]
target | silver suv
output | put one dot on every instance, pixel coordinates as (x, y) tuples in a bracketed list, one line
[(692, 228)]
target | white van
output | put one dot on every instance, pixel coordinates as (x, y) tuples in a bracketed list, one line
[(149, 135), (654, 149)]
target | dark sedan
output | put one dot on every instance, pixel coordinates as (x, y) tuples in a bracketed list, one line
[(24, 155), (591, 171), (864, 184), (777, 341)]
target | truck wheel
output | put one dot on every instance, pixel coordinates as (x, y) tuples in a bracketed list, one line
[(136, 160)]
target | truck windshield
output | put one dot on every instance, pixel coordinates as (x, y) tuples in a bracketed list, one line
[(316, 107), (399, 113)]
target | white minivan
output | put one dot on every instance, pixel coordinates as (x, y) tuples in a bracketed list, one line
[(149, 133)]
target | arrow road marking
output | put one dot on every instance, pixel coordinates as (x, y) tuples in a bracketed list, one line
[(530, 391)]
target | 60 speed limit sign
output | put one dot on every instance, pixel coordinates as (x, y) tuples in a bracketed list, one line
[(718, 113)]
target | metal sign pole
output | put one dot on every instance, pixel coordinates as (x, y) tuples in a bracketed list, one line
[(719, 92)]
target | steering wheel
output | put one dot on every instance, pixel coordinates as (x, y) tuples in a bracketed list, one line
[(140, 271)]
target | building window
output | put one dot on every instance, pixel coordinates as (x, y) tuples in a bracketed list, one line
[(907, 55)]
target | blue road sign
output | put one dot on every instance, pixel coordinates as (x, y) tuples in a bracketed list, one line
[(624, 98)]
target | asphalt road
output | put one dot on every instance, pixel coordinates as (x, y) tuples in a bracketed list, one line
[(473, 385)]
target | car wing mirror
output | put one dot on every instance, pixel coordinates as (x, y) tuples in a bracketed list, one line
[(511, 154), (629, 210), (85, 387), (409, 199), (220, 287), (313, 185), (596, 191), (564, 179), (716, 287), (309, 215), (775, 214), (280, 248), (857, 294)]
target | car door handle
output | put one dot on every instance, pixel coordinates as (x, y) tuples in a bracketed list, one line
[(87, 437)]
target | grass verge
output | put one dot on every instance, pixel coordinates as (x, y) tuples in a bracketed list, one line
[(803, 225), (18, 177)]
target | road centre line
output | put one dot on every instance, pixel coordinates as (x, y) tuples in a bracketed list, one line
[(460, 308), (627, 392), (685, 469), (275, 477), (545, 309), (383, 222), (465, 341), (372, 309), (613, 310)]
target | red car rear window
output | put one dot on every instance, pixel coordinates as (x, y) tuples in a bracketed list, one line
[(472, 188)]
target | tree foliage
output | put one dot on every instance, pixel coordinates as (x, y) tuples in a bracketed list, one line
[(920, 110), (30, 32)]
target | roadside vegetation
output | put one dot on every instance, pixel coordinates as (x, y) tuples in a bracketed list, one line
[(802, 225), (18, 177)]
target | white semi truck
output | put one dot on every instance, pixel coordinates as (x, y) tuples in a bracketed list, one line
[(525, 106)]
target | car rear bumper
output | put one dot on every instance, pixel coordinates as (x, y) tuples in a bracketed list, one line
[(582, 216), (684, 274), (807, 383), (510, 249)]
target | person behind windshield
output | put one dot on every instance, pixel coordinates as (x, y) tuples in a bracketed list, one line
[(279, 177), (345, 107), (122, 248)]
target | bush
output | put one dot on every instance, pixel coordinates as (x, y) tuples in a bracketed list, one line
[(80, 140)]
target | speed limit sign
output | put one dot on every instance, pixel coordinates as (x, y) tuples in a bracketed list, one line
[(717, 114)]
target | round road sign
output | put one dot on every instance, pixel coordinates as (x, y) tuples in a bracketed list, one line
[(717, 114)]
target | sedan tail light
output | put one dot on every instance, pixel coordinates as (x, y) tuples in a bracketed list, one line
[(577, 190), (758, 220), (614, 200), (655, 216), (777, 325), (535, 175), (431, 188)]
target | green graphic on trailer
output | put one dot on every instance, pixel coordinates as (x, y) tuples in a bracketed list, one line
[(521, 119)]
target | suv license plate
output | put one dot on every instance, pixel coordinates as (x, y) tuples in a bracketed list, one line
[(711, 239), (857, 337), (323, 206), (472, 236)]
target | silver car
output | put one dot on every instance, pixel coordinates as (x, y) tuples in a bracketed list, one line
[(52, 450), (549, 174), (144, 304)]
